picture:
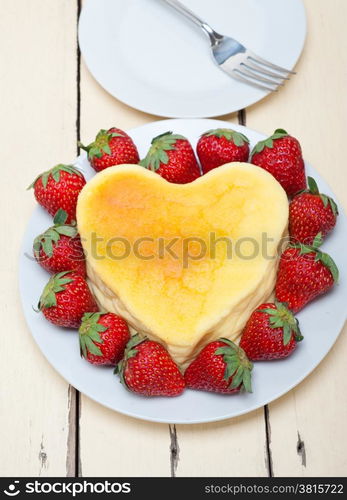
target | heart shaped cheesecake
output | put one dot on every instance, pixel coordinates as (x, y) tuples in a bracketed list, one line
[(184, 264)]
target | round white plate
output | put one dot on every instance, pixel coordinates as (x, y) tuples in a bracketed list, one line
[(153, 59), (320, 321)]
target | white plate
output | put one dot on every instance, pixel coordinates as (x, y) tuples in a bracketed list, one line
[(151, 58), (320, 321)]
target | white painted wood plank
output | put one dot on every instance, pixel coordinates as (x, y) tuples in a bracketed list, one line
[(314, 107), (232, 448), (38, 106), (115, 445)]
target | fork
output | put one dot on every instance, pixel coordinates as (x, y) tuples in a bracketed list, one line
[(235, 59)]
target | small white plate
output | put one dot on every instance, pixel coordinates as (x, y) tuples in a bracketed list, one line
[(153, 59), (321, 321)]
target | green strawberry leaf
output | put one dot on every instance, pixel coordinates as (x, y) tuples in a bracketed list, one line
[(44, 179), (330, 264), (333, 206), (91, 347), (106, 149), (305, 249), (318, 241), (47, 247), (60, 217), (237, 377), (269, 142), (287, 334), (89, 333), (279, 133), (282, 317), (167, 138), (231, 367), (101, 144), (70, 231), (312, 185), (95, 336), (51, 236), (329, 201), (55, 174), (247, 381), (236, 364), (224, 350), (313, 189), (130, 352), (324, 199), (83, 348), (239, 139), (37, 247), (55, 285), (163, 157), (157, 153), (229, 134), (115, 134)]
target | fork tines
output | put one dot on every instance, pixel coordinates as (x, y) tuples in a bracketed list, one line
[(260, 73)]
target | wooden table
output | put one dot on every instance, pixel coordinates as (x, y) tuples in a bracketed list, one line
[(49, 101)]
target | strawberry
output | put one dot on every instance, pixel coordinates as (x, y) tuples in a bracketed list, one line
[(220, 146), (172, 157), (310, 213), (59, 248), (111, 147), (222, 367), (103, 337), (148, 369), (281, 155), (271, 332), (57, 188), (65, 299), (304, 273)]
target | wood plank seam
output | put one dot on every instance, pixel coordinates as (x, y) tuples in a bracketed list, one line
[(78, 78), (174, 450), (300, 448), (73, 466), (71, 440), (241, 117), (78, 465), (268, 454), (43, 459)]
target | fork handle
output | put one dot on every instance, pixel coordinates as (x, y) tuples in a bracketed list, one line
[(182, 9)]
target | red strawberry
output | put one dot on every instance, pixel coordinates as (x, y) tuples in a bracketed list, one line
[(172, 157), (59, 248), (59, 188), (271, 332), (111, 147), (220, 146), (103, 338), (281, 155), (222, 367), (148, 369), (305, 272), (310, 213), (65, 299)]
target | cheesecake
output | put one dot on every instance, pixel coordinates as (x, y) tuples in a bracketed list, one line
[(184, 264)]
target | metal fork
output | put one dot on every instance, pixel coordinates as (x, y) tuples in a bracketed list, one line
[(235, 59)]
